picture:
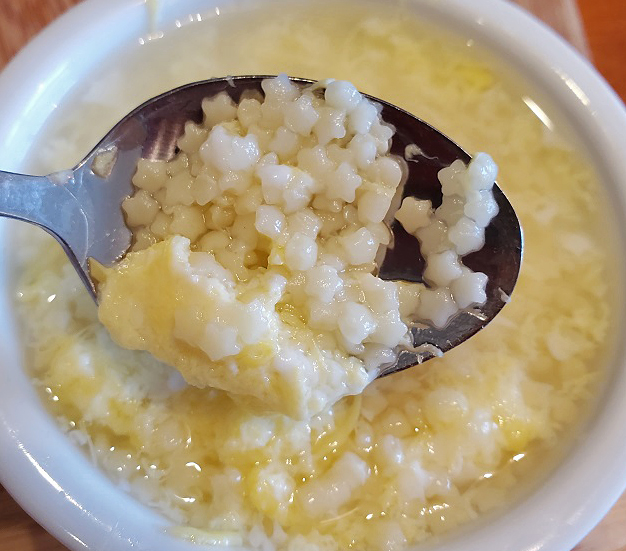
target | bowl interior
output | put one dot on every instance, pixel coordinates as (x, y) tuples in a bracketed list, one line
[(60, 488)]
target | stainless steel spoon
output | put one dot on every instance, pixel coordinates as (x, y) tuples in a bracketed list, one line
[(81, 207)]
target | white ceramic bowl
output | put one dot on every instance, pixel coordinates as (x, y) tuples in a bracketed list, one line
[(58, 486)]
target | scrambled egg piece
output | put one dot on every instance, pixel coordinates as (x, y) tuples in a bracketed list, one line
[(190, 312)]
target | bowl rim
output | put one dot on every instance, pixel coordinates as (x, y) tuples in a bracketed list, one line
[(76, 503)]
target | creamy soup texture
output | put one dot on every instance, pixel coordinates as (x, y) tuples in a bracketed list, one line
[(416, 454)]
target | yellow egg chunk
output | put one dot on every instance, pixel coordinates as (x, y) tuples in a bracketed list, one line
[(185, 312)]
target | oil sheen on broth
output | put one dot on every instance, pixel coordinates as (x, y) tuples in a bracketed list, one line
[(417, 453)]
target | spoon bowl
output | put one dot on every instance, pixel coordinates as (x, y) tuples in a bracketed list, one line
[(81, 207)]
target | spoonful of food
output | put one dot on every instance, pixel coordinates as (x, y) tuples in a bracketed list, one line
[(334, 193)]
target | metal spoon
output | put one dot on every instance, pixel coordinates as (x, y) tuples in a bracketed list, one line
[(81, 207)]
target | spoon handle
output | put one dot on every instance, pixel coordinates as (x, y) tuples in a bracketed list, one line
[(48, 202)]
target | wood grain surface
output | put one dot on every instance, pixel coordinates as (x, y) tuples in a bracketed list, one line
[(602, 36)]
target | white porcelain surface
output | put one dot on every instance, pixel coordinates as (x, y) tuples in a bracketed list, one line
[(73, 500)]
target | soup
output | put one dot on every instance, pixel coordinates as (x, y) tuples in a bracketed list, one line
[(416, 454)]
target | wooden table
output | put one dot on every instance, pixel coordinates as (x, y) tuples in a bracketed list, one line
[(602, 36)]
